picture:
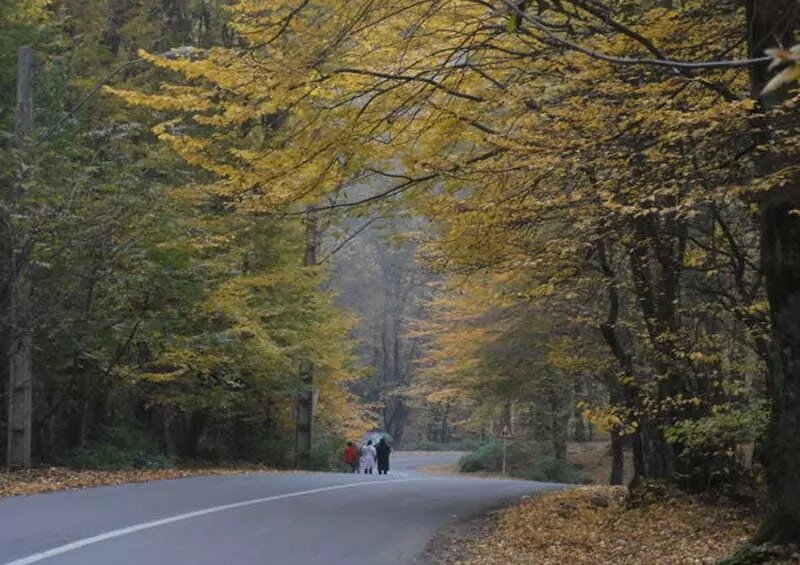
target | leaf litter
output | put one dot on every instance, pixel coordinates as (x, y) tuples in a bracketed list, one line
[(595, 525), (49, 479)]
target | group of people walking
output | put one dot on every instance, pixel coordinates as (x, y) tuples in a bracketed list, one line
[(363, 460)]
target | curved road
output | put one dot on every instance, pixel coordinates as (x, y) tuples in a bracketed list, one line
[(261, 518)]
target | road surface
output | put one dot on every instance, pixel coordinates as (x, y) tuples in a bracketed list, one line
[(263, 518)]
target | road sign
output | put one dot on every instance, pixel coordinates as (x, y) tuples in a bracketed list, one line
[(505, 433)]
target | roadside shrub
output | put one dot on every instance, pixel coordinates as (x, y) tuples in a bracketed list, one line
[(524, 460), (120, 447), (488, 457), (551, 470), (264, 447), (327, 454)]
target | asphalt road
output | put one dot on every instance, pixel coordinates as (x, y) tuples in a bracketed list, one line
[(265, 518)]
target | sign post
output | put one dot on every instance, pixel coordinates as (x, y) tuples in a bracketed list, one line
[(505, 435), (505, 451)]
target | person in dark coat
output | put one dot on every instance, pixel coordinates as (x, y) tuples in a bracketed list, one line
[(383, 450)]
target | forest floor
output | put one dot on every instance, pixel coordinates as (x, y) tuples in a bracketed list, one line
[(597, 525), (594, 525), (49, 479)]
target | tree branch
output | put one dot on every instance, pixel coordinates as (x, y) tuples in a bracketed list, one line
[(656, 62)]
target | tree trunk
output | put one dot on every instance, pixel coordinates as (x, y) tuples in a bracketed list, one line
[(781, 262), (20, 318), (639, 469), (194, 425), (305, 399), (395, 414), (656, 290), (773, 23), (656, 451), (580, 432), (617, 458), (621, 392), (617, 476), (444, 431)]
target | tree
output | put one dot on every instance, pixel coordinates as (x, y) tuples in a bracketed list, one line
[(773, 24), (163, 318)]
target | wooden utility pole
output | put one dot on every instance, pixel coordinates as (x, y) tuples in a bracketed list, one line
[(305, 396), (20, 319)]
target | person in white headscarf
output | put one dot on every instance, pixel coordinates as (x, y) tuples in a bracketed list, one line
[(368, 455)]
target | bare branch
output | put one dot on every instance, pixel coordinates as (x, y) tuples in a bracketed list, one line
[(659, 62), (408, 78), (347, 240)]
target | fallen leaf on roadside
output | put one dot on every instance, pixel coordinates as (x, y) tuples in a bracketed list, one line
[(592, 525), (48, 479)]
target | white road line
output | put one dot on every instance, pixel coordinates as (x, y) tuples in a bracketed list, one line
[(36, 557)]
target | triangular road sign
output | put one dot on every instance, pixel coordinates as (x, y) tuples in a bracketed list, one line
[(505, 433)]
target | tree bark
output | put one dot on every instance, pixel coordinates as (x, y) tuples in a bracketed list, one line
[(617, 458), (624, 391), (305, 399), (194, 425), (20, 318), (781, 262), (773, 23)]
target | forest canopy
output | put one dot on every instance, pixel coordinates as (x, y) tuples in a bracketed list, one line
[(602, 199)]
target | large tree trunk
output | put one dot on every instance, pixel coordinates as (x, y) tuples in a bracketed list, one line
[(773, 23), (781, 263), (658, 454), (194, 424), (655, 263), (19, 391)]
